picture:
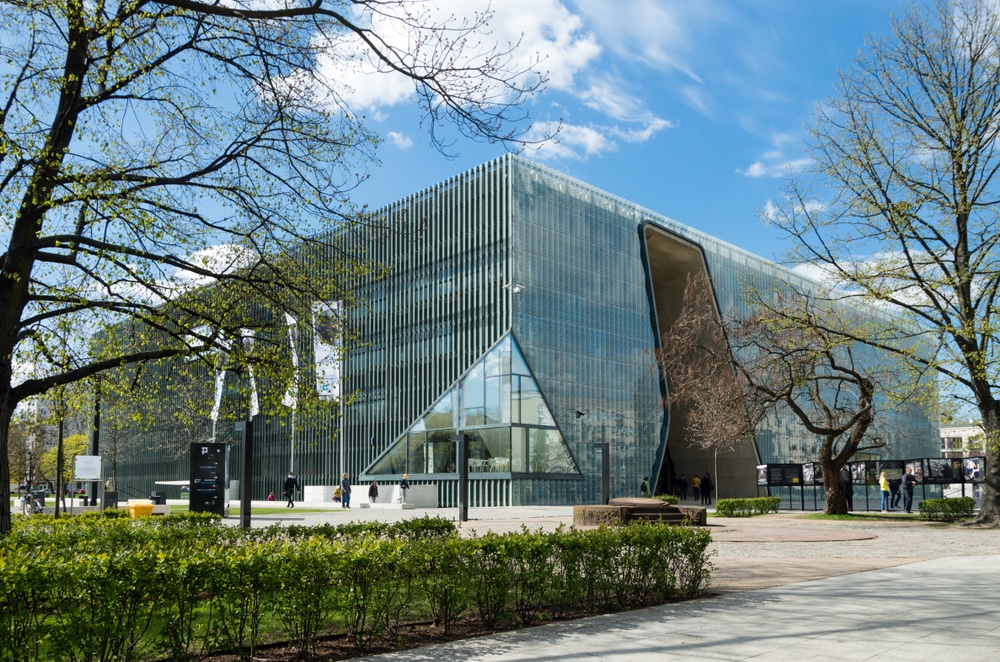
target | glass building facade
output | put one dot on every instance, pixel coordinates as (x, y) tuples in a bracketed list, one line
[(522, 308)]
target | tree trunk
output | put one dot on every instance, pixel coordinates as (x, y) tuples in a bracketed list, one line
[(835, 502), (989, 511), (6, 414)]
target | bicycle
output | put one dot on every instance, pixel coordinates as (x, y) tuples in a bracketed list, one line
[(31, 504)]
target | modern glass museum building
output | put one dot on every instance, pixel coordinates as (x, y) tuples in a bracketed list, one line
[(522, 308)]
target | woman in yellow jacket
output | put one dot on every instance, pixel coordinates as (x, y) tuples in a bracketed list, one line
[(883, 484)]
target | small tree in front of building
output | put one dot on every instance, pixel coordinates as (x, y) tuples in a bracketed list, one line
[(728, 375)]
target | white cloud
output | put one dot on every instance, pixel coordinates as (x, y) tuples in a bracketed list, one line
[(698, 98), (664, 36), (400, 140), (653, 125), (776, 168), (756, 169), (542, 30), (579, 142), (572, 142)]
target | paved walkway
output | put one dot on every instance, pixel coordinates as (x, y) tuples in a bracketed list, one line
[(784, 588)]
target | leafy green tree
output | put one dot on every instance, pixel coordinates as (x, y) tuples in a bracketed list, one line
[(73, 445), (164, 163), (901, 207)]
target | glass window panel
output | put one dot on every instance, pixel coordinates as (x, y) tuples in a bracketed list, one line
[(392, 463), (518, 450), (505, 399), (473, 397), (515, 399), (504, 348), (442, 415), (517, 364), (494, 398), (440, 452), (548, 454), (416, 454), (533, 409), (489, 450), (492, 362)]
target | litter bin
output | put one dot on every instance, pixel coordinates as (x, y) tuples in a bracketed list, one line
[(140, 508), (158, 498)]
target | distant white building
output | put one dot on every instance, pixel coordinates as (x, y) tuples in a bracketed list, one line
[(962, 440)]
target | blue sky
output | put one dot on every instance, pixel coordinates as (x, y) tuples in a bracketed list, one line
[(694, 109)]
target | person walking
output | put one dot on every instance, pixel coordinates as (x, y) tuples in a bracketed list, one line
[(373, 492), (644, 487), (682, 483), (883, 485), (895, 496), (345, 491), (706, 489), (909, 480), (404, 485), (290, 488), (696, 487)]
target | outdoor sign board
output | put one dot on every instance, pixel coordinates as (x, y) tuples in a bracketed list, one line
[(812, 473), (943, 471), (87, 468), (974, 469), (784, 474), (209, 479), (858, 474)]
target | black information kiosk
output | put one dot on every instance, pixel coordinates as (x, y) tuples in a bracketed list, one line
[(209, 479)]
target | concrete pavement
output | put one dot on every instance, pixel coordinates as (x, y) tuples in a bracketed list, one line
[(932, 610)]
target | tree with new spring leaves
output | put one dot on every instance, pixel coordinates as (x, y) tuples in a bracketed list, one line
[(164, 163), (788, 356), (901, 206)]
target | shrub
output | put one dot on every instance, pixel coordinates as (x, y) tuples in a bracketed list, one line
[(123, 589), (307, 600), (369, 585), (668, 498), (27, 582), (747, 507), (440, 568), (530, 566), (110, 597), (243, 588), (490, 583), (947, 509)]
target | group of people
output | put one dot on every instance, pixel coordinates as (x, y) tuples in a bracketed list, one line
[(891, 491), (342, 493), (701, 488)]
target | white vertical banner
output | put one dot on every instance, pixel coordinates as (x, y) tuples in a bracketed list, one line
[(291, 397), (326, 348), (220, 381), (248, 338)]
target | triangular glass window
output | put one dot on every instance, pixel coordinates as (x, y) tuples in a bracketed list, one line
[(499, 405)]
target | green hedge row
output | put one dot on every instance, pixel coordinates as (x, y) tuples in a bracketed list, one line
[(119, 589), (747, 507), (947, 509)]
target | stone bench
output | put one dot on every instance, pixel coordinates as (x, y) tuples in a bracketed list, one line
[(625, 510)]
